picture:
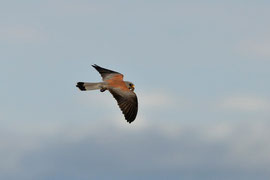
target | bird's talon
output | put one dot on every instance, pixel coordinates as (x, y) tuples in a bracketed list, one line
[(102, 89)]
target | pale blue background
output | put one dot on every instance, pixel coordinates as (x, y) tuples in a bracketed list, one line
[(201, 70)]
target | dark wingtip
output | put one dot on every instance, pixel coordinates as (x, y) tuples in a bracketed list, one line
[(81, 86), (130, 120), (94, 65)]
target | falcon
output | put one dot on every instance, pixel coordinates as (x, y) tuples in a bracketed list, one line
[(122, 91)]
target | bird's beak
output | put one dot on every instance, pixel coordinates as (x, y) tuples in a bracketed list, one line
[(132, 87)]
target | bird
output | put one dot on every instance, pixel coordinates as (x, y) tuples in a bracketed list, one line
[(122, 91)]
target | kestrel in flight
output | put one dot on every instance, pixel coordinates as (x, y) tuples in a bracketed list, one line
[(122, 91)]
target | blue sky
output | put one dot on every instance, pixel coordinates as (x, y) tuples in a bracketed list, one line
[(201, 71)]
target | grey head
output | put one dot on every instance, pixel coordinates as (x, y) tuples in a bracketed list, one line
[(130, 85)]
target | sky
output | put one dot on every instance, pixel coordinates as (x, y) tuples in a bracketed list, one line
[(201, 74)]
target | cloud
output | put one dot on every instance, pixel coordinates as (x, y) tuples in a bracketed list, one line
[(245, 103), (255, 48), (100, 150), (151, 104), (83, 8), (260, 49), (20, 34), (147, 99), (153, 99)]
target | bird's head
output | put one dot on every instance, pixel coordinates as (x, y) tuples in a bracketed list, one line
[(130, 85)]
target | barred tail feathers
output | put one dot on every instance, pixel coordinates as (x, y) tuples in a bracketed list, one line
[(85, 86)]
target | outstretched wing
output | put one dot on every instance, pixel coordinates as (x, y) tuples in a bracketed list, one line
[(127, 101), (106, 73)]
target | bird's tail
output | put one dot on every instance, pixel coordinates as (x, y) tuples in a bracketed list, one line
[(85, 86)]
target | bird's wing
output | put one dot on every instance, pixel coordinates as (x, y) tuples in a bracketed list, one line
[(127, 101), (106, 73)]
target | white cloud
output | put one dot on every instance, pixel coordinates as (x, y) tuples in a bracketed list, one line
[(178, 146), (245, 103), (155, 99), (258, 48), (20, 34), (218, 132), (83, 8), (158, 99)]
